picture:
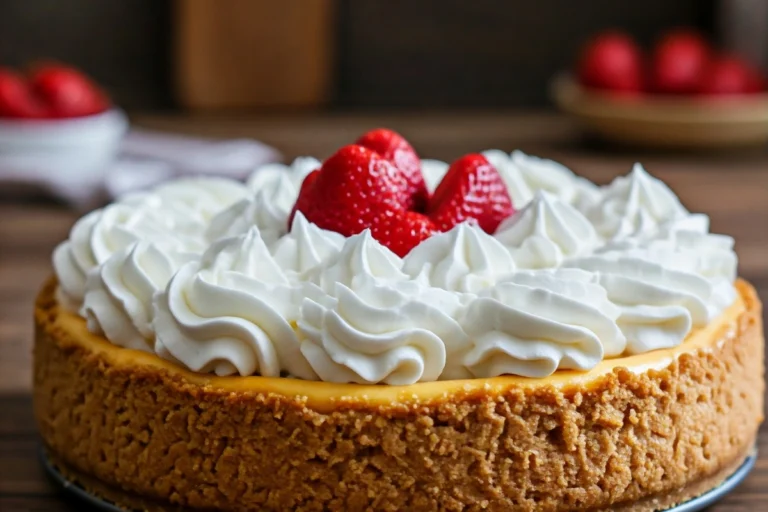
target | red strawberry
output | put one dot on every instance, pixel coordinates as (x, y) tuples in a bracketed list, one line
[(730, 75), (679, 59), (17, 99), (351, 190), (68, 92), (471, 189), (393, 147), (611, 60), (402, 231)]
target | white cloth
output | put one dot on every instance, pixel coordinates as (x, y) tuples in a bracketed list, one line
[(87, 161)]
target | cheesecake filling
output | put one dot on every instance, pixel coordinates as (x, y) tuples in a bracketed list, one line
[(207, 274)]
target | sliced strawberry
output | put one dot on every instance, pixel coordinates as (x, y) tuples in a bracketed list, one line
[(393, 147), (68, 92), (402, 231), (354, 187), (471, 189), (17, 99)]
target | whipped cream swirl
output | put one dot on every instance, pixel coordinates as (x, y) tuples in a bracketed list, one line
[(659, 305), (525, 175), (464, 259), (119, 293), (546, 232), (306, 247), (101, 233), (361, 258), (230, 313), (536, 322), (381, 333), (200, 198), (281, 179), (635, 205)]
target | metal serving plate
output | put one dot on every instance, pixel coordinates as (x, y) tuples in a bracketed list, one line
[(700, 503)]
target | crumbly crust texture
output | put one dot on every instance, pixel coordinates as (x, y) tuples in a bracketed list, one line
[(628, 441)]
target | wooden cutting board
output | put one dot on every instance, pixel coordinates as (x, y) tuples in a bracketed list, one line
[(253, 53)]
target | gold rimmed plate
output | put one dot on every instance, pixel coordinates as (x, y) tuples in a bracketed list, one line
[(666, 122)]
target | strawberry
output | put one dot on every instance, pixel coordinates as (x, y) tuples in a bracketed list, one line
[(393, 147), (68, 92), (678, 61), (611, 60), (471, 189), (17, 99), (730, 75), (402, 231), (352, 189)]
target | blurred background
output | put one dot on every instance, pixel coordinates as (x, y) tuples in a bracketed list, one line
[(343, 54)]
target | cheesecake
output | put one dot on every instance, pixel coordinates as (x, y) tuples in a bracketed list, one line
[(300, 342)]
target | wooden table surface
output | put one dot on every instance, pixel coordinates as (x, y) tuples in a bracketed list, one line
[(732, 189)]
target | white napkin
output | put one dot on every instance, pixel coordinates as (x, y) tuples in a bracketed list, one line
[(83, 170)]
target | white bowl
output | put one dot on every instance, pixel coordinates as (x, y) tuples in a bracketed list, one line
[(74, 152)]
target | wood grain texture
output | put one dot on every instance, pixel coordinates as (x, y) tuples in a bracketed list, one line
[(732, 189), (253, 53)]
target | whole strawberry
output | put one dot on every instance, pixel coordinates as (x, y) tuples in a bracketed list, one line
[(393, 147), (68, 92), (678, 62), (611, 60), (351, 190), (17, 99), (471, 189)]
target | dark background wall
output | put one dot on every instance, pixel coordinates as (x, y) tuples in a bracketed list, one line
[(390, 52)]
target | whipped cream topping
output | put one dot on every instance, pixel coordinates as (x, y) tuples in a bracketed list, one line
[(464, 259), (525, 175), (659, 305), (546, 232), (231, 312), (202, 197), (274, 178), (101, 233), (273, 192), (634, 206), (380, 333), (205, 273), (361, 259), (306, 247), (536, 322), (119, 293)]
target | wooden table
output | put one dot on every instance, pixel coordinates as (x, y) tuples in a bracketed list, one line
[(732, 189)]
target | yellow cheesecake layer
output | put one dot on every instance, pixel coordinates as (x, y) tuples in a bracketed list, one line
[(323, 395)]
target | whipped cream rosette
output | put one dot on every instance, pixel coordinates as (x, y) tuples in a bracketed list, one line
[(372, 324), (231, 312), (464, 259), (525, 175), (546, 232), (101, 233), (635, 205), (119, 293), (536, 322)]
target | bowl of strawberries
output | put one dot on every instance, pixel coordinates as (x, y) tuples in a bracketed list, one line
[(682, 94), (55, 119)]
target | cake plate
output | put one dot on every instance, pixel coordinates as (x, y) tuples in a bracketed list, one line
[(696, 504)]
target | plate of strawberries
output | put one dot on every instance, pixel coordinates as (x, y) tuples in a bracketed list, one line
[(682, 93)]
